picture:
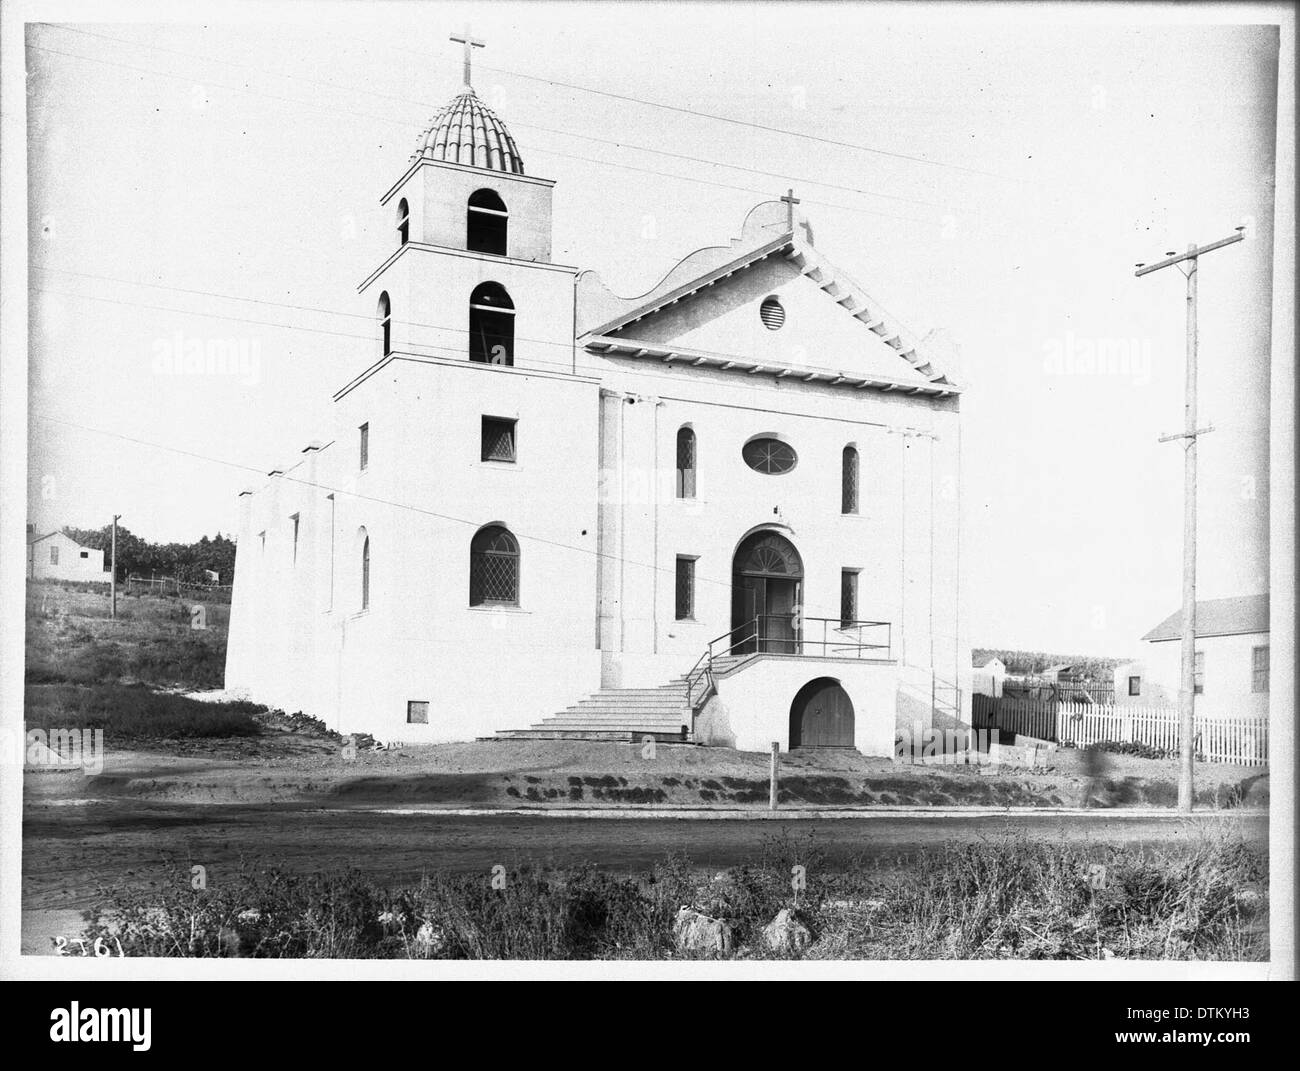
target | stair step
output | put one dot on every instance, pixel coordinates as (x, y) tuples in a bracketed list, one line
[(621, 723)]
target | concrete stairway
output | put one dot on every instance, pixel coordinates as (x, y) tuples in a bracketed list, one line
[(617, 714)]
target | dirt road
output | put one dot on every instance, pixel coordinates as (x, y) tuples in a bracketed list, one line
[(70, 852)]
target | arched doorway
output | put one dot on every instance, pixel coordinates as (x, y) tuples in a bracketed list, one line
[(766, 588), (821, 715)]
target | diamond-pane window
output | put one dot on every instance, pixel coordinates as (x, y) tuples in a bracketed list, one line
[(498, 439), (849, 481), (685, 463), (685, 588), (494, 568), (848, 597), (769, 456)]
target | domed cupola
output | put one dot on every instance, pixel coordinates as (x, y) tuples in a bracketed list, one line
[(467, 131)]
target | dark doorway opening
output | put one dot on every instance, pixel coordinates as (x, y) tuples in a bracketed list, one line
[(821, 715)]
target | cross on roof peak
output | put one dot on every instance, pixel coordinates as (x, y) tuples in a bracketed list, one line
[(466, 38), (790, 201)]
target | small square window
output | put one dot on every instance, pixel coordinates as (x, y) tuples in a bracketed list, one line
[(85, 554), (365, 445), (417, 712), (1135, 686), (498, 441)]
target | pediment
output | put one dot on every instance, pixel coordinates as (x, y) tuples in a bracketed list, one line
[(711, 303)]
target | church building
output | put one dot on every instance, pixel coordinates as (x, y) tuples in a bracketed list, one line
[(725, 511)]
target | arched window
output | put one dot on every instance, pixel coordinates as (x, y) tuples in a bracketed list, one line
[(403, 222), (385, 313), (486, 223), (365, 571), (493, 568), (849, 481), (491, 325), (685, 463)]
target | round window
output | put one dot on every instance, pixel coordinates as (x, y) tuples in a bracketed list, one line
[(772, 313), (769, 456)]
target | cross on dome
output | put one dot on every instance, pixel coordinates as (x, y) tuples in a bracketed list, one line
[(466, 38)]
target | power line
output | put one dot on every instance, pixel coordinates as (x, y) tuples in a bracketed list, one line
[(474, 524), (417, 350), (588, 89), (552, 152), (520, 125), (709, 115)]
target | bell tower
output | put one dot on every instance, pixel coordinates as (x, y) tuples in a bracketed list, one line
[(471, 245)]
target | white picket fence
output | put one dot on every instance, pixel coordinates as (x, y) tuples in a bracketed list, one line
[(1242, 740)]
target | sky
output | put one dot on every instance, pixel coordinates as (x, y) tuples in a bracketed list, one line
[(996, 174)]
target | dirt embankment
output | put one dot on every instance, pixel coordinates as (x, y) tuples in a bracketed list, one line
[(300, 768)]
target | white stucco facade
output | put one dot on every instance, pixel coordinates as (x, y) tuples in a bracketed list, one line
[(1229, 687), (57, 557), (598, 389)]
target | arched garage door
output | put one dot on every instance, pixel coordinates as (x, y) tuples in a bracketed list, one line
[(821, 715)]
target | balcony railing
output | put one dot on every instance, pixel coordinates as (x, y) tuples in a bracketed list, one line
[(791, 635)]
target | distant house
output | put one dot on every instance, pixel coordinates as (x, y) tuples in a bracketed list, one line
[(1231, 675), (55, 556), (987, 679), (1135, 688)]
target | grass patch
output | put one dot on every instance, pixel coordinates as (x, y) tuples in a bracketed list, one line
[(127, 712), (1010, 897), (71, 639)]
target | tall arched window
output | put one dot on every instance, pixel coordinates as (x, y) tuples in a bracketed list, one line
[(403, 222), (685, 463), (849, 481), (365, 571), (385, 313), (493, 568), (486, 223), (491, 325)]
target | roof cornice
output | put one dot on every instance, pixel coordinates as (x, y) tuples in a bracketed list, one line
[(723, 362)]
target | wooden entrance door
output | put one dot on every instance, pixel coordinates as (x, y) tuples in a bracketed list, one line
[(767, 576), (821, 715), (777, 632)]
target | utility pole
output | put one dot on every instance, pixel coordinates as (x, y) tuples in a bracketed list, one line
[(1189, 435), (112, 583)]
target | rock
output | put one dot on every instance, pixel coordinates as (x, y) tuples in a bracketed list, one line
[(694, 932), (430, 940), (786, 933), (229, 942)]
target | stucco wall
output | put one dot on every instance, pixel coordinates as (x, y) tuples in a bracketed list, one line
[(752, 707), (71, 566), (591, 500), (1227, 673)]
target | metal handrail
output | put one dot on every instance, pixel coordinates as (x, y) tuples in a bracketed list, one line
[(797, 643)]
